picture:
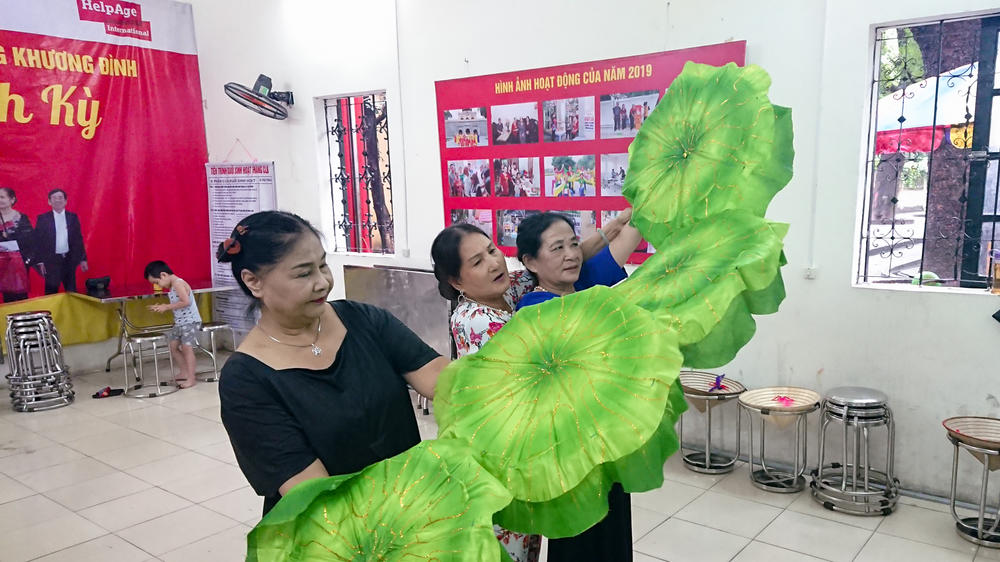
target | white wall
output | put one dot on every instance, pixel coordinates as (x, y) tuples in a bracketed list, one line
[(314, 48), (929, 352)]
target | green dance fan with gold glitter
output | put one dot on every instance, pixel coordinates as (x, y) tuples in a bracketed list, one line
[(714, 142), (432, 502), (579, 392), (702, 170), (696, 279), (570, 396)]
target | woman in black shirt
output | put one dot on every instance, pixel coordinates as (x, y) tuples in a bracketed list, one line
[(316, 388)]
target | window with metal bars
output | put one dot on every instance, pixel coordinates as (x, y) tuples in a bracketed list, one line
[(357, 140), (930, 213)]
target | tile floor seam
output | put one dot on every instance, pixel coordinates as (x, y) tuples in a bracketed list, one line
[(931, 544), (925, 542), (862, 549), (108, 534), (34, 469), (227, 493), (740, 551), (179, 478), (151, 556), (158, 485), (41, 492), (796, 551), (237, 521), (227, 529), (845, 522), (191, 503), (669, 517), (754, 539), (728, 531), (871, 533)]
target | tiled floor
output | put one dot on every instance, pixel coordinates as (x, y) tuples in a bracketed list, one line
[(119, 479)]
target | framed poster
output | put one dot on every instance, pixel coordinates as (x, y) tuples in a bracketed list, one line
[(235, 190), (551, 139)]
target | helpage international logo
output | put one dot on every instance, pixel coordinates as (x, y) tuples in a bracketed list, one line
[(123, 19)]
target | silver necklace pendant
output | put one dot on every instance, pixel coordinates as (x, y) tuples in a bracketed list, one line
[(316, 350)]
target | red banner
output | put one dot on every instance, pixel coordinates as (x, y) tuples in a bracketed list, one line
[(120, 129), (916, 139), (551, 139)]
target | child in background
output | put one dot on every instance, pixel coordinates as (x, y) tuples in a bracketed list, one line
[(187, 320)]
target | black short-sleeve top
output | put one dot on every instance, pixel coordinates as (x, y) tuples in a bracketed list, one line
[(352, 414)]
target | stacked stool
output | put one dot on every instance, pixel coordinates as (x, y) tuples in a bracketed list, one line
[(980, 437), (705, 391), (852, 485), (780, 406), (136, 385), (38, 378)]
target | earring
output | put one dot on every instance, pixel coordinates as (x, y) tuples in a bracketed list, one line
[(461, 297)]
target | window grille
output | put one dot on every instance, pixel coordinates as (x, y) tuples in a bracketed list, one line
[(357, 139), (930, 206)]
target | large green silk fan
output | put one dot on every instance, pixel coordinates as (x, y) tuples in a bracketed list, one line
[(579, 392), (711, 276), (714, 142), (570, 396), (431, 502), (702, 170)]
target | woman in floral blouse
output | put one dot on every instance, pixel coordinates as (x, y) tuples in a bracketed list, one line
[(471, 270)]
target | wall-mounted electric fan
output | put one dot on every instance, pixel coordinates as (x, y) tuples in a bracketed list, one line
[(261, 99)]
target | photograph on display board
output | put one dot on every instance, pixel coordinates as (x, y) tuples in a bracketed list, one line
[(584, 222), (482, 218), (613, 168), (569, 119), (469, 178), (515, 124), (623, 114), (570, 176), (517, 177), (643, 247), (466, 127), (507, 222)]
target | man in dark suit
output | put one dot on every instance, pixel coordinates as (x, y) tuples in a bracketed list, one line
[(59, 243)]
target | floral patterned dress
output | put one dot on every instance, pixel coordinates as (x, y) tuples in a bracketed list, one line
[(472, 325)]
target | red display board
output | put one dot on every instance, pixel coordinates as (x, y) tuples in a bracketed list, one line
[(103, 101), (551, 139)]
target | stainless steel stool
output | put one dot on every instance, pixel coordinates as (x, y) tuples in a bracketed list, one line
[(705, 391), (851, 485), (980, 437), (136, 386), (211, 328), (38, 377), (781, 406)]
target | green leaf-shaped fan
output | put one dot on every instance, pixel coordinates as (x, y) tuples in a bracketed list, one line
[(736, 328), (714, 142), (558, 397), (694, 279), (432, 502), (587, 503), (702, 171)]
